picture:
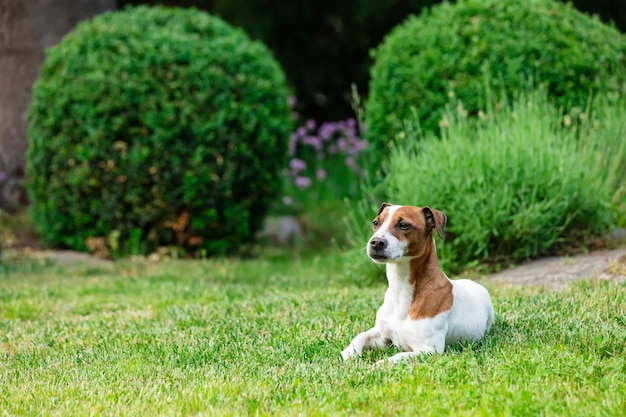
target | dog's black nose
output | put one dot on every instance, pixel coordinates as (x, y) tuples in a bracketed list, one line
[(378, 244)]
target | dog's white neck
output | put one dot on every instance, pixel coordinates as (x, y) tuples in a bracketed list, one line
[(400, 290), (399, 272)]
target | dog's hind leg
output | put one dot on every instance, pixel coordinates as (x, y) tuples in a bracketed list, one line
[(371, 339)]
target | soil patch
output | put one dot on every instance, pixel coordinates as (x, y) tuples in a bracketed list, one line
[(557, 272)]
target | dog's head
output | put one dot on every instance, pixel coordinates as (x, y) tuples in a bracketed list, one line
[(403, 232)]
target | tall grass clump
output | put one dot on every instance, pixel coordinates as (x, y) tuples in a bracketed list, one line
[(521, 181)]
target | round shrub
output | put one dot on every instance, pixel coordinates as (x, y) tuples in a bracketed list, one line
[(155, 127), (459, 50)]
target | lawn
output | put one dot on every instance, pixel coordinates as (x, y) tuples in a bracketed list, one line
[(263, 336)]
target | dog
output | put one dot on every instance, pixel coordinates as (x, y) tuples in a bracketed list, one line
[(423, 310)]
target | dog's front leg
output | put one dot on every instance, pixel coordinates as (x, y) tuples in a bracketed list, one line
[(371, 339), (431, 347), (404, 356)]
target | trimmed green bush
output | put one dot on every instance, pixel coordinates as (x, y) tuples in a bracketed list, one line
[(154, 127), (459, 49), (522, 182)]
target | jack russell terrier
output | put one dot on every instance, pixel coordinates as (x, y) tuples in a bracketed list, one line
[(423, 309)]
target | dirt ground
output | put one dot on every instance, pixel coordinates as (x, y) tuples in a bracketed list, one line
[(557, 272)]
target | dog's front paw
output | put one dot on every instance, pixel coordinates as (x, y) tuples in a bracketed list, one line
[(389, 361), (395, 359), (349, 352)]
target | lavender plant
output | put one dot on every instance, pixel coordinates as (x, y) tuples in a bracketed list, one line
[(325, 163)]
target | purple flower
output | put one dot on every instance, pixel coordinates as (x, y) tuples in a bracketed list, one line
[(291, 101), (312, 141), (287, 200), (301, 131), (351, 162), (358, 146), (321, 174), (349, 131), (326, 131), (342, 144), (310, 124), (303, 182), (297, 165), (3, 175)]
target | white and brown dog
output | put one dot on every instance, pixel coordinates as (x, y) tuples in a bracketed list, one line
[(423, 310)]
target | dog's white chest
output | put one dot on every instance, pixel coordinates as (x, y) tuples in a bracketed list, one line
[(392, 318), (394, 324), (395, 329)]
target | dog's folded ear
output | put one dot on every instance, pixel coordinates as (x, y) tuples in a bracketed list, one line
[(435, 219), (383, 206)]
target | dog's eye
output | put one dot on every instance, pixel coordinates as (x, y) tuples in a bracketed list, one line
[(375, 223), (404, 226)]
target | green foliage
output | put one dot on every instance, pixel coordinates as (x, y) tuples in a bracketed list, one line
[(263, 337), (153, 127), (454, 47), (519, 183)]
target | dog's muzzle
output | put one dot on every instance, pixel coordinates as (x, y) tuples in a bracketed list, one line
[(377, 249)]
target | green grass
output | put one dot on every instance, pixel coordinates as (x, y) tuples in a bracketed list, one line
[(263, 336)]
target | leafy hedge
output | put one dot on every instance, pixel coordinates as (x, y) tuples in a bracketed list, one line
[(455, 50), (153, 127)]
